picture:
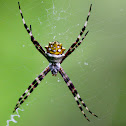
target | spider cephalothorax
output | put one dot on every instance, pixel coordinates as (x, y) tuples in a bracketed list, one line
[(55, 55), (54, 67)]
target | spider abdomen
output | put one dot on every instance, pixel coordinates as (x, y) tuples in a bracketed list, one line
[(52, 58), (55, 48)]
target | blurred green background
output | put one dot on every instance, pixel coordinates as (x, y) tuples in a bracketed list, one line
[(97, 68)]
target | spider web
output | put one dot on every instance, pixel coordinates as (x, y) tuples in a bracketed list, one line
[(86, 67)]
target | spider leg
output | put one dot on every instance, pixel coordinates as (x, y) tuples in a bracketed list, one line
[(31, 87), (74, 91), (82, 31), (37, 45), (72, 49), (79, 36), (30, 29), (68, 82)]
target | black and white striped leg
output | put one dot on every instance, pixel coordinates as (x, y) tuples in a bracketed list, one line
[(68, 82), (30, 29), (79, 43), (37, 45), (77, 94), (83, 29), (79, 36), (31, 87), (72, 49)]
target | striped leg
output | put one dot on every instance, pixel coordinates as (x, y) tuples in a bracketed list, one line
[(77, 94), (72, 49), (31, 87), (79, 36), (69, 83), (73, 89), (37, 45)]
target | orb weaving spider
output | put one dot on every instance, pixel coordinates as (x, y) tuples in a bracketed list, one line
[(55, 55)]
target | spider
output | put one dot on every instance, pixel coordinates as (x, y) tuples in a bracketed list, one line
[(55, 55)]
